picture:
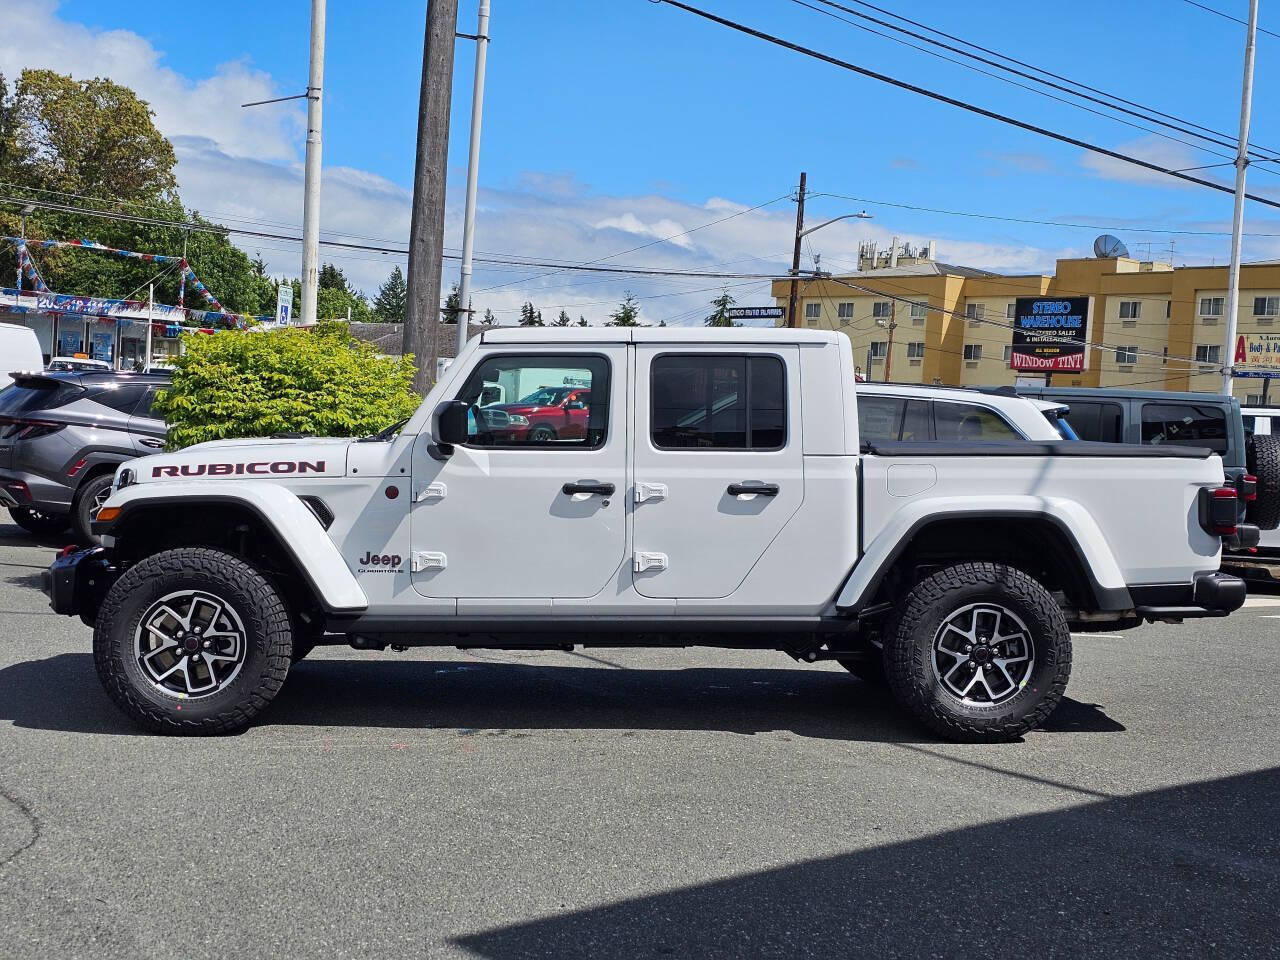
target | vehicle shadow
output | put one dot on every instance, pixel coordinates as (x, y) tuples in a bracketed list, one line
[(477, 696), (1192, 871)]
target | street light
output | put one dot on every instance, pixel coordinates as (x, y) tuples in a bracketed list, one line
[(801, 233)]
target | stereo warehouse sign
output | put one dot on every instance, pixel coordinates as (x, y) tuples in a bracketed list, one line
[(1050, 334)]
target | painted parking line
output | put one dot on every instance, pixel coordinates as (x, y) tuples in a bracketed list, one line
[(1262, 601)]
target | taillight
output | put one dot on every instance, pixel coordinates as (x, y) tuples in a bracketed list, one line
[(19, 491), (1219, 510), (26, 428)]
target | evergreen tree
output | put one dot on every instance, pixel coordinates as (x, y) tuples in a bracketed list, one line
[(489, 319), (332, 278), (563, 320), (582, 321), (720, 316), (452, 306), (529, 317), (627, 314), (393, 296)]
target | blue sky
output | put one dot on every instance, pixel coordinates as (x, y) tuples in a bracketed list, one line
[(639, 117)]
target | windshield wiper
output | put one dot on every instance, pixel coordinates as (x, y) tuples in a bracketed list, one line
[(386, 433)]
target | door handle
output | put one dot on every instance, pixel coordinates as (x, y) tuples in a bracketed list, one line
[(753, 486), (151, 442), (589, 486)]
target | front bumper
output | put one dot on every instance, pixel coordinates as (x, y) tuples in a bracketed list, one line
[(75, 583), (1210, 594)]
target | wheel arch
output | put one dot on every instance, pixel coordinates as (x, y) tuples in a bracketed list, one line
[(265, 521), (1061, 550)]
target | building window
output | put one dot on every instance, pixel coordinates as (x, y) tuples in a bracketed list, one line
[(919, 311), (813, 310), (1164, 356), (1168, 309), (915, 351), (1266, 306), (1130, 309), (973, 351), (1208, 353), (880, 310), (844, 311), (975, 312), (1007, 357), (1011, 310), (1211, 306), (879, 349), (1126, 356)]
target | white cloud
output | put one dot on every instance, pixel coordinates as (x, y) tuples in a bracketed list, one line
[(1152, 149)]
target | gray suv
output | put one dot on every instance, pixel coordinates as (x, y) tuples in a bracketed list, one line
[(62, 435)]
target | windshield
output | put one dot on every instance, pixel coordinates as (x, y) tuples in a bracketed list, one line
[(546, 396)]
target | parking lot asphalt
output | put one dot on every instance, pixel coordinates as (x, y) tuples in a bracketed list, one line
[(637, 804)]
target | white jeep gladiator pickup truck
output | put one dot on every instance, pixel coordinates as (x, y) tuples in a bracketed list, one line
[(614, 487)]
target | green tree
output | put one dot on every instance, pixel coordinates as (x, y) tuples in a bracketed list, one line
[(389, 305), (529, 317), (89, 137), (563, 320), (316, 381), (627, 314), (489, 319), (720, 315), (582, 321), (452, 306)]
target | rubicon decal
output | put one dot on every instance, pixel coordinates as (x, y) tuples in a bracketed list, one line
[(238, 469)]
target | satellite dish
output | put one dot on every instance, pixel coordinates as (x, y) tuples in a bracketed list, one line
[(1107, 247)]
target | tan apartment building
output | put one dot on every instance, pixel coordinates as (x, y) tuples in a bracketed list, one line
[(1151, 325)]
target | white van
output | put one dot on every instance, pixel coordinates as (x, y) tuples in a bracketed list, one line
[(19, 350)]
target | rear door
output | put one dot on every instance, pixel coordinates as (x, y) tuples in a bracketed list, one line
[(718, 464), (146, 429)]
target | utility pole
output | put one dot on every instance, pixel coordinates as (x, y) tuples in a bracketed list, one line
[(893, 325), (1237, 220), (473, 173), (311, 182), (426, 230), (795, 255)]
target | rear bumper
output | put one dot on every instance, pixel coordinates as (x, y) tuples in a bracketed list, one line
[(21, 489), (75, 583), (1210, 594)]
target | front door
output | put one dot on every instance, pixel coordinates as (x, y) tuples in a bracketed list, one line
[(534, 504), (718, 464)]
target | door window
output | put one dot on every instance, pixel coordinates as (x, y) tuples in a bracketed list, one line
[(1185, 424), (718, 402), (967, 421), (551, 401), (883, 419)]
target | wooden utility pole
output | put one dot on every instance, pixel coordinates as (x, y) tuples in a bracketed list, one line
[(795, 256), (426, 230)]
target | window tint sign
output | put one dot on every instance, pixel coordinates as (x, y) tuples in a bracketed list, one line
[(1050, 334)]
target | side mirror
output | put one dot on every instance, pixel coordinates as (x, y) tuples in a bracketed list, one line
[(575, 405), (450, 425)]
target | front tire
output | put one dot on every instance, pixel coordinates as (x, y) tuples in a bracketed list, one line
[(89, 500), (981, 653), (192, 641)]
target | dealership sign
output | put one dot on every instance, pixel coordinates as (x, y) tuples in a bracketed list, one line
[(1050, 334), (1257, 355)]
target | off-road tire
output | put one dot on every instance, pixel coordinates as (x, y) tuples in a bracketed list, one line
[(1262, 459), (39, 523), (909, 658), (83, 511), (268, 646)]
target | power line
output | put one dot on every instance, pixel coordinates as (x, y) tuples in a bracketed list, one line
[(1030, 220), (1227, 16), (953, 101), (1039, 73), (1214, 138)]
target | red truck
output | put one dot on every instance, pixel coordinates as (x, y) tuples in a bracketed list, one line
[(549, 413)]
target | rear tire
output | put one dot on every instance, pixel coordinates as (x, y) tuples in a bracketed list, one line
[(38, 522), (192, 641), (542, 434), (980, 653), (89, 500), (1262, 459)]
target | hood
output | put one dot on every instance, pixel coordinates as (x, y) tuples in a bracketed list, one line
[(259, 458)]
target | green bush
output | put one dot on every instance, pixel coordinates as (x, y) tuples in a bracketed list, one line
[(315, 381)]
